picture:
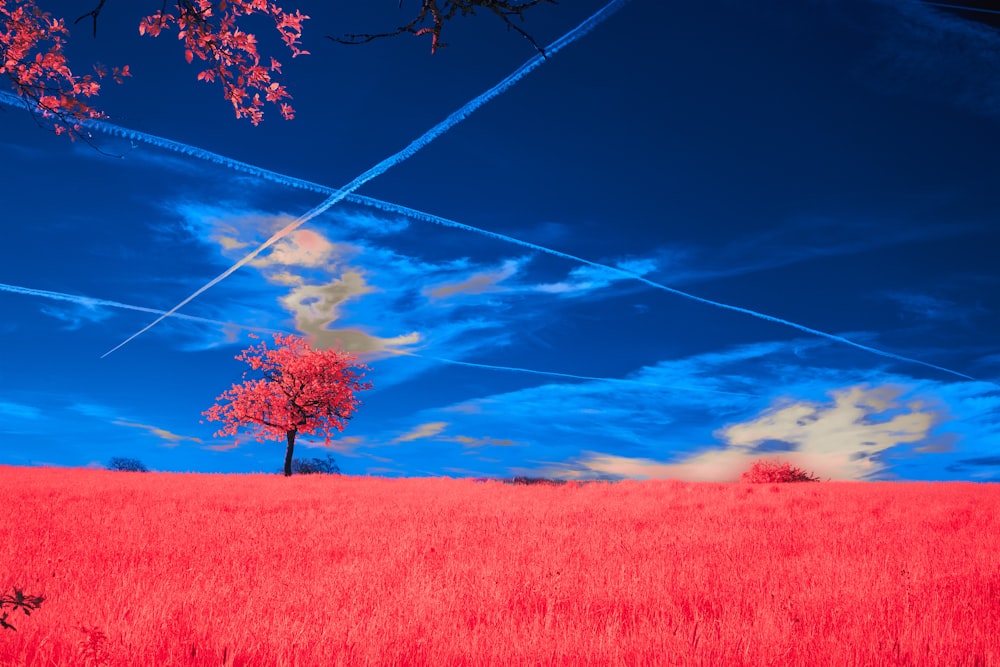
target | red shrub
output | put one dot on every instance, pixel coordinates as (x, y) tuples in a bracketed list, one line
[(766, 472)]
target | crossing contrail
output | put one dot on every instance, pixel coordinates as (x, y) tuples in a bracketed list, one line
[(427, 217), (515, 369), (336, 195), (388, 163), (135, 136), (390, 207), (90, 302)]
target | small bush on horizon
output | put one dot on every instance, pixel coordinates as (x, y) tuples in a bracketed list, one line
[(315, 466), (18, 600), (768, 472), (123, 464), (528, 481)]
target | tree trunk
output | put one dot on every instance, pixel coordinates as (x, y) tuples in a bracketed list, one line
[(288, 452)]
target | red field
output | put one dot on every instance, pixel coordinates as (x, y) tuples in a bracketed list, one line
[(167, 569)]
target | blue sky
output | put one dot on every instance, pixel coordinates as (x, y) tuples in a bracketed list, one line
[(821, 177)]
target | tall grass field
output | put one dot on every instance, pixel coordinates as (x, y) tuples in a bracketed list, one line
[(157, 569)]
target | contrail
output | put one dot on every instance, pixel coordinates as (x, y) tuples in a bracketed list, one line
[(338, 195), (415, 214), (389, 207), (113, 130), (405, 211), (427, 217), (451, 121), (91, 302), (515, 369)]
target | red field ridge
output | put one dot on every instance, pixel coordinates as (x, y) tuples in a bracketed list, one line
[(156, 569)]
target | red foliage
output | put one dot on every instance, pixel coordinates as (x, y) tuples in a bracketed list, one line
[(764, 472), (302, 390), (211, 32), (32, 57), (209, 570)]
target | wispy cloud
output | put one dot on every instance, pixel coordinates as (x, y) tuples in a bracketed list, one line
[(76, 316), (481, 441), (481, 282), (13, 410), (345, 444), (222, 448), (170, 439), (91, 308), (987, 467), (316, 307), (912, 36), (436, 431), (586, 279), (427, 430), (923, 306), (802, 237), (95, 411)]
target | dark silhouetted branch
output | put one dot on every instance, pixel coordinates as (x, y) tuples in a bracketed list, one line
[(434, 14)]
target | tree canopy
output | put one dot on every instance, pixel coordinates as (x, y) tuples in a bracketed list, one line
[(302, 390)]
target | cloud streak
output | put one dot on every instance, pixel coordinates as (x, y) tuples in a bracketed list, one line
[(170, 439), (19, 410), (426, 430), (91, 302), (388, 163), (570, 376)]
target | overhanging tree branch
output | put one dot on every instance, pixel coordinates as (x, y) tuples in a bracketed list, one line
[(432, 16), (93, 13)]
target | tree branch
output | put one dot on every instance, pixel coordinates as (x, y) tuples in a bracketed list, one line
[(436, 15), (94, 13)]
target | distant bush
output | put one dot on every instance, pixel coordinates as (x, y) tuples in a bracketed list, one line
[(18, 600), (767, 472), (315, 466), (528, 481), (122, 464)]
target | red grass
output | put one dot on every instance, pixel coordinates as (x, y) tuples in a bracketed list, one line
[(159, 569)]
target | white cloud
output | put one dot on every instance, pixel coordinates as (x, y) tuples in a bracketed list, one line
[(842, 437), (19, 410)]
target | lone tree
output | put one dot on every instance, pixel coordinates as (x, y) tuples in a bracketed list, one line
[(303, 390), (217, 33), (123, 464)]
